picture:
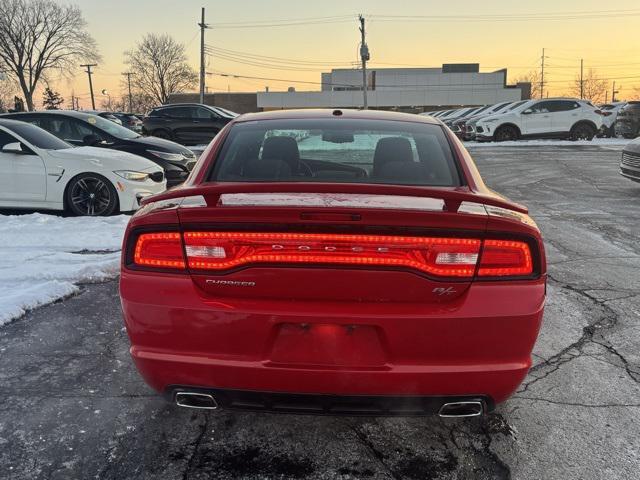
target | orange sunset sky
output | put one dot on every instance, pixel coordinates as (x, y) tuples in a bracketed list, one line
[(495, 33)]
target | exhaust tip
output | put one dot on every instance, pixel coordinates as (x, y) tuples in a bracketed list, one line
[(202, 401), (461, 409)]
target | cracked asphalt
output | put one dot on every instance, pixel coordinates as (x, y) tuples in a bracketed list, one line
[(73, 407)]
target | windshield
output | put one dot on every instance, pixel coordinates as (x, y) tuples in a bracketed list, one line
[(111, 128), (344, 150), (38, 137)]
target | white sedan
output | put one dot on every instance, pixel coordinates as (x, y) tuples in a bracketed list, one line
[(40, 171)]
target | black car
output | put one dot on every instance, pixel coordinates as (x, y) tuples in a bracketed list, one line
[(84, 129), (630, 163), (628, 120), (130, 121), (187, 123)]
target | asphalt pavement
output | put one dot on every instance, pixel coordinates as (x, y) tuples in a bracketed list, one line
[(73, 407)]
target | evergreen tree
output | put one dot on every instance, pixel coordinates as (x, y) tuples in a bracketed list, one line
[(51, 100)]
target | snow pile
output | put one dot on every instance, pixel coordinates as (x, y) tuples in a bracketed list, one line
[(596, 142), (42, 257)]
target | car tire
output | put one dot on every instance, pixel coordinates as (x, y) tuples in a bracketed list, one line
[(506, 133), (162, 134), (91, 194), (582, 131)]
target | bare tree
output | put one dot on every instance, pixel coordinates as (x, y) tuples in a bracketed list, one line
[(8, 89), (37, 36), (532, 77), (160, 67), (594, 87)]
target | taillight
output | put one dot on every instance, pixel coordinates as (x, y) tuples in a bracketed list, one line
[(452, 257), (505, 258), (437, 256), (599, 112), (162, 250)]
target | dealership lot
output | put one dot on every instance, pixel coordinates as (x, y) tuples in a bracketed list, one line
[(72, 405)]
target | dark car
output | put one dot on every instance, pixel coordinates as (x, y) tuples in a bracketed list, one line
[(84, 129), (104, 114), (130, 121), (628, 120), (186, 123), (630, 163)]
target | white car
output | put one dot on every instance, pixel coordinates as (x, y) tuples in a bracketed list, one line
[(548, 118), (40, 171), (609, 116)]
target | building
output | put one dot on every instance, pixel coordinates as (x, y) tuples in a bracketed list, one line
[(237, 102), (404, 89)]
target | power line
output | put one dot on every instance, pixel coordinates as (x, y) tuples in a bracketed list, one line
[(293, 22)]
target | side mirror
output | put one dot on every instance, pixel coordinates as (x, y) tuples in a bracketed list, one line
[(528, 111), (91, 140), (14, 147)]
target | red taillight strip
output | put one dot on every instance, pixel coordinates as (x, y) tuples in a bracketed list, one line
[(172, 240), (495, 247), (444, 257), (391, 251)]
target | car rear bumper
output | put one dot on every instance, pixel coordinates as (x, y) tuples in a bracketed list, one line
[(352, 405), (479, 346)]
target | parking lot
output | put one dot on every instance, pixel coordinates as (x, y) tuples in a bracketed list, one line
[(73, 407)]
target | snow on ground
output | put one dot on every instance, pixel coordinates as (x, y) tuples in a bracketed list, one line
[(44, 257), (618, 143)]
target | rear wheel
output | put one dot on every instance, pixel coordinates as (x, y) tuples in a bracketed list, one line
[(505, 134), (583, 131), (90, 194)]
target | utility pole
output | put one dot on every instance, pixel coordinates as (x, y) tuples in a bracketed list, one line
[(542, 76), (364, 56), (613, 92), (73, 102), (89, 65), (128, 75), (203, 26), (581, 78)]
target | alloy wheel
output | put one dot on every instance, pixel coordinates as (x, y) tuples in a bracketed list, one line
[(91, 196)]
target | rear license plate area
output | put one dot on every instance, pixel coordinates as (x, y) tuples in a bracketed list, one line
[(327, 345)]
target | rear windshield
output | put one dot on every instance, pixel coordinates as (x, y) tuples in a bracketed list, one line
[(337, 150)]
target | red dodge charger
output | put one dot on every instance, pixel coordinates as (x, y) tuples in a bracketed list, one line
[(334, 261)]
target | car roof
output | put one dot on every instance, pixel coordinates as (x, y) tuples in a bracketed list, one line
[(7, 122), (320, 113), (70, 113)]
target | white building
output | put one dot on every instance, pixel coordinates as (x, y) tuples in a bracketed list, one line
[(409, 89)]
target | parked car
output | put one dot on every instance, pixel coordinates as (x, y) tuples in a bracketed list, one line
[(548, 118), (104, 114), (467, 126), (460, 113), (186, 123), (40, 171), (628, 120), (630, 162), (344, 262), (609, 116), (83, 129), (129, 121), (459, 125)]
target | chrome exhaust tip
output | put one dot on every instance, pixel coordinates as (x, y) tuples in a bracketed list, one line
[(202, 401), (461, 409)]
